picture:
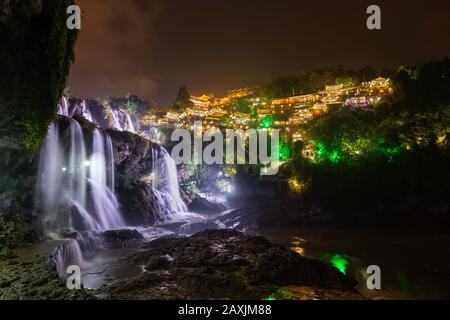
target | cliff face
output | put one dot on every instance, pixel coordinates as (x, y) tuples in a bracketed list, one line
[(133, 162), (35, 57), (37, 50)]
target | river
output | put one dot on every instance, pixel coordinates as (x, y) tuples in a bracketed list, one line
[(414, 263)]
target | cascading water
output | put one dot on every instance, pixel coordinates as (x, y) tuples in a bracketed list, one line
[(110, 164), (61, 185), (66, 255), (83, 110), (165, 185), (64, 181), (63, 107), (86, 112), (121, 120), (75, 192), (129, 122), (103, 198), (76, 187)]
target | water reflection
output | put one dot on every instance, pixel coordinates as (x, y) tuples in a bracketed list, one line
[(339, 261), (414, 262), (296, 245)]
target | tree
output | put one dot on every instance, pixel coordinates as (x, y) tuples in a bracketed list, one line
[(241, 105), (183, 100), (134, 105), (367, 73)]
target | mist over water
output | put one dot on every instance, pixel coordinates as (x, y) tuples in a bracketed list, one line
[(75, 191)]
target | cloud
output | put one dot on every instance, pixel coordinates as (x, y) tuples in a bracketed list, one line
[(114, 49)]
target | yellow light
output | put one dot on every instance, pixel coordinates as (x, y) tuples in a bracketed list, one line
[(295, 185)]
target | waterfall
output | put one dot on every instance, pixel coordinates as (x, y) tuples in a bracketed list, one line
[(50, 174), (129, 123), (165, 185), (63, 107), (115, 121), (121, 120), (83, 110), (104, 200), (110, 157), (86, 112), (74, 191), (66, 255)]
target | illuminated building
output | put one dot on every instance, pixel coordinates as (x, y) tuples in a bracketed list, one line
[(334, 94), (241, 118), (290, 104), (309, 152), (363, 101), (299, 108), (172, 116), (297, 137), (203, 101)]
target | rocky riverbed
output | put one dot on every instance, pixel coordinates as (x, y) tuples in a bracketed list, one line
[(26, 275), (212, 264), (227, 264)]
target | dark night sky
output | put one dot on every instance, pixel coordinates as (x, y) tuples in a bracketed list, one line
[(152, 47)]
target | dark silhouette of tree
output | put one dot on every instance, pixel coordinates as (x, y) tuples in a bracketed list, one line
[(182, 100)]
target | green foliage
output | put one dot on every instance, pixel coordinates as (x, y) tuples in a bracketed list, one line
[(37, 54), (380, 159), (134, 105), (309, 82), (16, 229), (241, 105), (227, 122)]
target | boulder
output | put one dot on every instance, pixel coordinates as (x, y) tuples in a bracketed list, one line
[(121, 238), (138, 203), (223, 264)]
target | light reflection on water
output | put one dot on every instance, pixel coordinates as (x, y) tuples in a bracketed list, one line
[(355, 268), (296, 245), (414, 263)]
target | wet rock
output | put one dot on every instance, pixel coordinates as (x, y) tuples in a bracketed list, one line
[(138, 203), (200, 204), (194, 227), (68, 234), (160, 262), (132, 155), (223, 264), (121, 238)]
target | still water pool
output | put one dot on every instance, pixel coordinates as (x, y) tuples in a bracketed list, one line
[(414, 263)]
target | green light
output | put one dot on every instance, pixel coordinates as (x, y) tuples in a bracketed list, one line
[(266, 122), (334, 156), (390, 152), (320, 150), (338, 261), (284, 151)]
